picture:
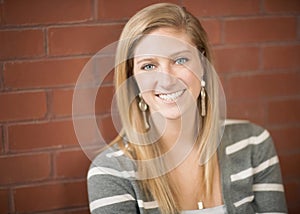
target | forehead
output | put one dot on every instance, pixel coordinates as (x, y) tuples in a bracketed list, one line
[(164, 42)]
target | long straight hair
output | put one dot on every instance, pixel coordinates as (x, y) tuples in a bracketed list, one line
[(148, 19)]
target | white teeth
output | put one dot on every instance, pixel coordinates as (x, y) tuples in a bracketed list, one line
[(172, 96)]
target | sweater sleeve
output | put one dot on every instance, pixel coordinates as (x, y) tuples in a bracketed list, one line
[(267, 186), (250, 170), (109, 189)]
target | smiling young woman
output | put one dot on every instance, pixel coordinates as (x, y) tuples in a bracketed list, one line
[(170, 156), (168, 51)]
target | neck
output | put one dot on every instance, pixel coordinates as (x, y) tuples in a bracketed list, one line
[(183, 129)]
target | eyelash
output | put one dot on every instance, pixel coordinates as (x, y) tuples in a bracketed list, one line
[(146, 67), (181, 58)]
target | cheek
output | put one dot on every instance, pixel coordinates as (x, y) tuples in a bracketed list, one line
[(196, 88), (193, 83), (146, 84), (146, 81), (147, 96)]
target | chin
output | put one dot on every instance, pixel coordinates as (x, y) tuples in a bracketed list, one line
[(169, 115)]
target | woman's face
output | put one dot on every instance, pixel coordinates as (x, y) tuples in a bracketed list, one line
[(168, 72)]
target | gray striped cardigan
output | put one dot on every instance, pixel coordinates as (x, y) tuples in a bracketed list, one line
[(250, 175)]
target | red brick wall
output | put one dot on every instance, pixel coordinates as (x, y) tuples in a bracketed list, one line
[(45, 44)]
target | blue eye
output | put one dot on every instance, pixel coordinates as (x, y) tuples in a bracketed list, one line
[(148, 67), (181, 60)]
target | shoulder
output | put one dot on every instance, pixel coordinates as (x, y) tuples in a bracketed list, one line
[(243, 133), (239, 129), (110, 182), (250, 168), (112, 161), (243, 137)]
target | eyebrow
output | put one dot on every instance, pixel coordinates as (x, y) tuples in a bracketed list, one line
[(152, 56)]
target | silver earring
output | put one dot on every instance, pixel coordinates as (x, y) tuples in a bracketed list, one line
[(203, 95), (143, 107)]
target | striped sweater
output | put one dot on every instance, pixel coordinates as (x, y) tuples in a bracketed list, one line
[(250, 175)]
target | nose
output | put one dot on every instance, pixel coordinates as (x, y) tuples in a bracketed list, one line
[(166, 78)]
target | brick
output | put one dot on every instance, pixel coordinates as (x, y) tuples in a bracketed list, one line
[(109, 78), (50, 196), (1, 13), (281, 57), (4, 198), (44, 73), (1, 77), (22, 105), (293, 209), (24, 168), (292, 192), (298, 28), (281, 6), (41, 135), (263, 85), (1, 140), (62, 101), (251, 30), (104, 99), (107, 10), (107, 128), (236, 59), (82, 39), (289, 166), (286, 139), (213, 30), (44, 12), (21, 43), (223, 82), (88, 132), (72, 164), (84, 210), (100, 68), (285, 111), (222, 8), (246, 110)]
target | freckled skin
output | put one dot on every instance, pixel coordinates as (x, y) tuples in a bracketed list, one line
[(170, 64)]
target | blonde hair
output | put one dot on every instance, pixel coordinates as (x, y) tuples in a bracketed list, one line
[(151, 18)]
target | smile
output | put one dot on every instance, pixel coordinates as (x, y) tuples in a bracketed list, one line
[(171, 96)]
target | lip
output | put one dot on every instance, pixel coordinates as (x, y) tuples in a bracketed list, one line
[(170, 97)]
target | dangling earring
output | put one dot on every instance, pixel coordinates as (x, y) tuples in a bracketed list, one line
[(203, 95), (143, 107)]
